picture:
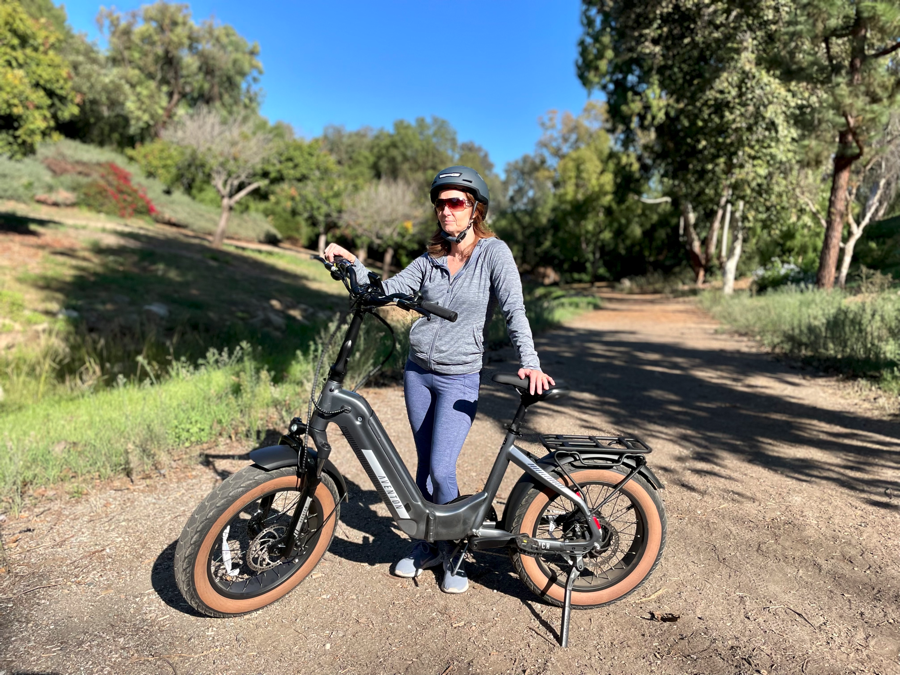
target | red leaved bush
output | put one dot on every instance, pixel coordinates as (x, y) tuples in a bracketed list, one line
[(112, 192)]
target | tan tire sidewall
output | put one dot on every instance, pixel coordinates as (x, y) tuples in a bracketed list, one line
[(629, 583), (220, 603)]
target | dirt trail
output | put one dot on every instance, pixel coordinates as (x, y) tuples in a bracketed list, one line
[(782, 495)]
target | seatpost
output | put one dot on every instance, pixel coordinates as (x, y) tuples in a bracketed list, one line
[(517, 420), (339, 369)]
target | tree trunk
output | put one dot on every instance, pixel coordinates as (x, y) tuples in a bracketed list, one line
[(323, 240), (388, 259), (219, 236), (693, 242), (724, 254), (737, 244), (848, 256), (362, 253), (843, 162), (710, 254), (837, 212)]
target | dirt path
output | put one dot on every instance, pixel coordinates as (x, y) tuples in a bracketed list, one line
[(782, 495)]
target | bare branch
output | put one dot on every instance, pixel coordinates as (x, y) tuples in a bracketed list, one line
[(246, 191), (657, 200)]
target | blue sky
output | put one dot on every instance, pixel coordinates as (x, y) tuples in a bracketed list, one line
[(490, 68)]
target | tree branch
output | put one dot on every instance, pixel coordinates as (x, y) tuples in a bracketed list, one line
[(246, 191), (815, 211), (657, 200), (884, 52)]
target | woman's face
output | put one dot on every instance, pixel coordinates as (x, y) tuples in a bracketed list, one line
[(454, 222)]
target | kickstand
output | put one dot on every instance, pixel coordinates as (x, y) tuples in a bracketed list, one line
[(567, 604)]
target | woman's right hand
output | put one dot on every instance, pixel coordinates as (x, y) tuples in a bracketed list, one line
[(333, 249)]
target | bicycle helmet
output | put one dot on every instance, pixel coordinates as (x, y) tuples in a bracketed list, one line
[(463, 178)]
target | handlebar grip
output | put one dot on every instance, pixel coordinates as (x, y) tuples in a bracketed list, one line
[(437, 310)]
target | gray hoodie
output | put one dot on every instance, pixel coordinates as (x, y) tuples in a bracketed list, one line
[(489, 278)]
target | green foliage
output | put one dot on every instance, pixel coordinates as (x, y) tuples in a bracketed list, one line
[(35, 91), (688, 88), (161, 160), (171, 65), (304, 189), (22, 179), (130, 428), (858, 335), (574, 205), (777, 274)]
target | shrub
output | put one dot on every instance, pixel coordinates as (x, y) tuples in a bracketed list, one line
[(777, 274), (111, 192), (856, 334), (22, 179)]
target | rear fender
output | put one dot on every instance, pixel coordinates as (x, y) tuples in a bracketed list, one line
[(588, 460), (279, 456)]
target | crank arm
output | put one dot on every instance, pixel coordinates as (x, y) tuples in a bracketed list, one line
[(537, 546)]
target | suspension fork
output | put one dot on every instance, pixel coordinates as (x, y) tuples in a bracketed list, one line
[(309, 484)]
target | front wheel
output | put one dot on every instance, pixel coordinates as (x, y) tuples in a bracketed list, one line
[(633, 523), (228, 560)]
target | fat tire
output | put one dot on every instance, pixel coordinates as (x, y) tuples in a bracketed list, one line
[(524, 518), (223, 502)]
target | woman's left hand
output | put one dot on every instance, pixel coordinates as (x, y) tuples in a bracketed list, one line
[(540, 381)]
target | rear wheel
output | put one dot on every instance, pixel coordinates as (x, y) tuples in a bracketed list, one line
[(229, 559), (633, 523)]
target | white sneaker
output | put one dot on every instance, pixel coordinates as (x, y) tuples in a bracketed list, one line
[(452, 583), (422, 556)]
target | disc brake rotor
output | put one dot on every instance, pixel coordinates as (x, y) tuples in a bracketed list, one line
[(259, 555)]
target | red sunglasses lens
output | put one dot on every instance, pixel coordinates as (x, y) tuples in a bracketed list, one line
[(455, 204)]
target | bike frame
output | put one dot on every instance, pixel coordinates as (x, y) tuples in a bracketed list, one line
[(416, 516)]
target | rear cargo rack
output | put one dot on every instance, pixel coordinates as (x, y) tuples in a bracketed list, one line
[(615, 444)]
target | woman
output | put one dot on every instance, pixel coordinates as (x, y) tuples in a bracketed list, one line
[(466, 269)]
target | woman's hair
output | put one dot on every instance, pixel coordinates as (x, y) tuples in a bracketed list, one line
[(438, 246)]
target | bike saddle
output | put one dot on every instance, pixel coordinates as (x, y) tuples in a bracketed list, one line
[(558, 390)]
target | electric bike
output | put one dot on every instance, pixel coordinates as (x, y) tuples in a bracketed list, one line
[(584, 526)]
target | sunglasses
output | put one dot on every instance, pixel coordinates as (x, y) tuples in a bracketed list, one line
[(454, 203)]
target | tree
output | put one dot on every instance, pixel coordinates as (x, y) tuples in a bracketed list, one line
[(872, 188), (35, 90), (169, 65), (380, 214), (845, 53), (234, 149), (687, 89), (526, 224), (414, 152), (304, 188)]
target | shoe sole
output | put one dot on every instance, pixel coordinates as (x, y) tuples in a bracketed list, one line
[(454, 591)]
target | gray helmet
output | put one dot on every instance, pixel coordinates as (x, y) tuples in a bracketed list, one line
[(463, 178)]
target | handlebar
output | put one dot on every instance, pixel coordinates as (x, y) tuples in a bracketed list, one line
[(373, 295)]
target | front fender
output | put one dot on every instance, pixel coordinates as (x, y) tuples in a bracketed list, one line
[(279, 456), (526, 481)]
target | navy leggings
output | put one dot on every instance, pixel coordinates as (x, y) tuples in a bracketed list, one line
[(441, 410)]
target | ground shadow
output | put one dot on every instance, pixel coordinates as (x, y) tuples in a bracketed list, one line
[(162, 578), (165, 297), (710, 402), (13, 223)]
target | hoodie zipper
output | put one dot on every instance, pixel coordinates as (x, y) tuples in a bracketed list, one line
[(449, 298)]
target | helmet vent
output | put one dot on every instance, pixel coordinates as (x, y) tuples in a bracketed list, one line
[(466, 180)]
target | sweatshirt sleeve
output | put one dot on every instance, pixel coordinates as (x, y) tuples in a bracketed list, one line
[(508, 288), (409, 280)]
